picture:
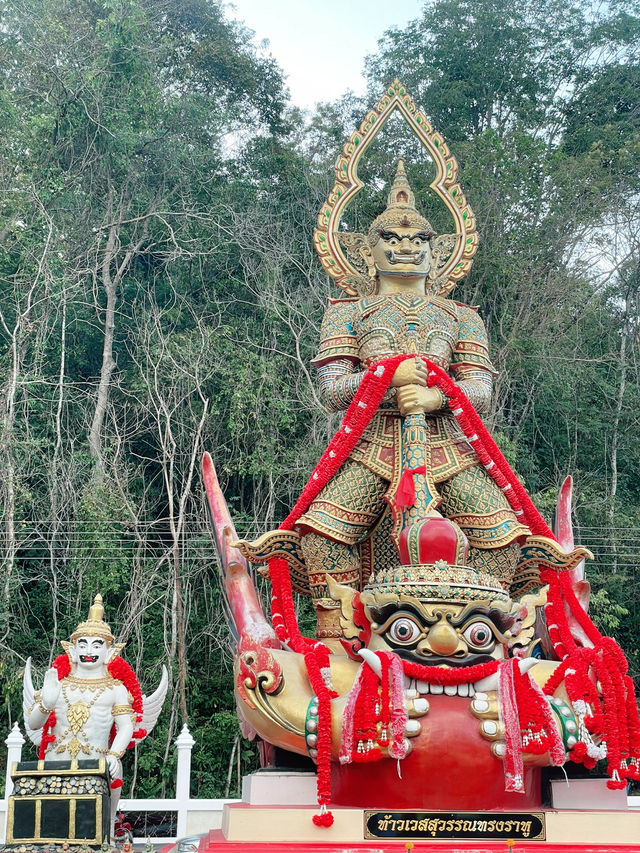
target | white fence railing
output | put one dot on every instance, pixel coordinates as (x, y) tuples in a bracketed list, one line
[(188, 816)]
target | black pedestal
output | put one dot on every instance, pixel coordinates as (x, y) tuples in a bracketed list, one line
[(59, 801)]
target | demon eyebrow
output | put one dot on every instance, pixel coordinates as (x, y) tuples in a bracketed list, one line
[(98, 640), (386, 235), (386, 611)]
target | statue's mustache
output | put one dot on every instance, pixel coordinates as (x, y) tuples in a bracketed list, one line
[(406, 258), (434, 660)]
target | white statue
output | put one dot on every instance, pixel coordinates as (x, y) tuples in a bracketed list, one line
[(86, 695)]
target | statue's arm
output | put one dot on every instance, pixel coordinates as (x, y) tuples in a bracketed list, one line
[(337, 359), (477, 386), (471, 366), (123, 717), (338, 382)]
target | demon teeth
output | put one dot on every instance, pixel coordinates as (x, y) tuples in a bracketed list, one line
[(425, 688)]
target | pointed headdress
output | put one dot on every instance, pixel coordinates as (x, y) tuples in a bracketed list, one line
[(94, 626), (401, 209)]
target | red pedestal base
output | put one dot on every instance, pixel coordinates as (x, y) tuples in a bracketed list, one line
[(450, 767), (215, 842)]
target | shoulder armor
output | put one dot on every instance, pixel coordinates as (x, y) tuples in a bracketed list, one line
[(447, 305), (469, 307), (337, 336), (341, 300)]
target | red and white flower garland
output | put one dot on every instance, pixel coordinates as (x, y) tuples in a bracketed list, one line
[(613, 718)]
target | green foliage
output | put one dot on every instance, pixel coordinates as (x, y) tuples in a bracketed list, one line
[(150, 142)]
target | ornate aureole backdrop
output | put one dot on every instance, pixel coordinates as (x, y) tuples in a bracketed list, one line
[(339, 250)]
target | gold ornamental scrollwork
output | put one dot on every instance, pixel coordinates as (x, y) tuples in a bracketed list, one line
[(453, 253), (259, 678)]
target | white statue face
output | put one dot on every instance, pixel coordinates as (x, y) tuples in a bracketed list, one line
[(91, 653), (402, 251)]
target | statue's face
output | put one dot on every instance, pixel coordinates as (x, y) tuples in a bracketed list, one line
[(91, 653), (439, 634), (402, 251)]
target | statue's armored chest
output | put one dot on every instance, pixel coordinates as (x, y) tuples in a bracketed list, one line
[(388, 325)]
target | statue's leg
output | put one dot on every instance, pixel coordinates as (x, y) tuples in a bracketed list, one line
[(480, 508), (115, 800), (342, 515)]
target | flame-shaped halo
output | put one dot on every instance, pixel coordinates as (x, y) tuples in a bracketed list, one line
[(453, 253)]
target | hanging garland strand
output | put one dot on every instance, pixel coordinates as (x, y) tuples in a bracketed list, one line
[(613, 717)]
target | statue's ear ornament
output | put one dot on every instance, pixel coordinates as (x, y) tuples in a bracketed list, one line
[(358, 253), (338, 249), (69, 650), (345, 595), (114, 651), (442, 247), (353, 619)]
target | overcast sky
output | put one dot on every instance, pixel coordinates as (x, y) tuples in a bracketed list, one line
[(321, 45)]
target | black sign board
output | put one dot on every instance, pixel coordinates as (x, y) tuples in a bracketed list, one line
[(442, 826)]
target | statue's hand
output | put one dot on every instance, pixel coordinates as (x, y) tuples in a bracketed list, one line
[(414, 398), (115, 767), (412, 371), (485, 707), (50, 689)]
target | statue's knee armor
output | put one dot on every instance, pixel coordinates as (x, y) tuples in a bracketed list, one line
[(348, 507), (324, 557)]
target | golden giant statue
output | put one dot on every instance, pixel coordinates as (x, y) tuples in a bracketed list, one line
[(352, 528), (452, 635)]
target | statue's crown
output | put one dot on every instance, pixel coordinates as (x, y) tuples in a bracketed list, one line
[(401, 194), (94, 626), (401, 208), (434, 553)]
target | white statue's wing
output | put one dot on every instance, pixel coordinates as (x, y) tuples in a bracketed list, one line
[(28, 698), (152, 705)]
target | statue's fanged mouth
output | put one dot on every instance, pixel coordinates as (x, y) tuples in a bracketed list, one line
[(413, 258), (88, 658)]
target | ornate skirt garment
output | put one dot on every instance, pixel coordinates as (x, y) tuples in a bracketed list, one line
[(351, 505)]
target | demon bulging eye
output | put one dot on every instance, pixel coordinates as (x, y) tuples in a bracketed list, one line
[(403, 630), (478, 634)]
